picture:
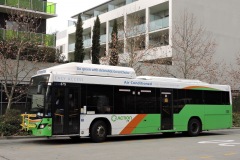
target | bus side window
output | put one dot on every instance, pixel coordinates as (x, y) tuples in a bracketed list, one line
[(99, 97), (103, 104)]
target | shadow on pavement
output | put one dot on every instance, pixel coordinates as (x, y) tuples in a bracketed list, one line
[(67, 140)]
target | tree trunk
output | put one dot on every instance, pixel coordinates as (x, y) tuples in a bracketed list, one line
[(9, 103)]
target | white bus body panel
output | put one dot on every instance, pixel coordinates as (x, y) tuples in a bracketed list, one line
[(117, 121)]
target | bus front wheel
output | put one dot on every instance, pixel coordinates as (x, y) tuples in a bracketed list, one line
[(98, 131), (194, 127)]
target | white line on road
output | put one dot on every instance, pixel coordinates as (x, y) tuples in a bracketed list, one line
[(225, 143)]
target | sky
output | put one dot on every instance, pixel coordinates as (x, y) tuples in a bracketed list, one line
[(67, 8)]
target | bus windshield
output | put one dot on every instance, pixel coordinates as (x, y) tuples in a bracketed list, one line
[(38, 99)]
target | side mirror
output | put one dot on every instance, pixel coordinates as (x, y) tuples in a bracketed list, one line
[(39, 89)]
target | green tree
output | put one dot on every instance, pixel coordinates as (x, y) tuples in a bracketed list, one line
[(193, 50), (79, 50), (96, 42), (114, 52)]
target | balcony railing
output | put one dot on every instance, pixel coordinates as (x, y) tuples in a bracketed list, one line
[(71, 47), (87, 43), (103, 38), (42, 39), (159, 24), (136, 30), (121, 34), (36, 5)]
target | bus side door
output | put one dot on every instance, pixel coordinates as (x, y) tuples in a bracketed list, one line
[(166, 107), (65, 110)]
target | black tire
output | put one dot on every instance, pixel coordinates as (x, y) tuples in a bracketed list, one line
[(98, 132), (194, 127)]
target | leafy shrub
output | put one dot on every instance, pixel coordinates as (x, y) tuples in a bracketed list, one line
[(10, 123), (236, 119), (236, 104)]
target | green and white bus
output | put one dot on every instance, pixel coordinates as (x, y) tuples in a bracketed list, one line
[(96, 101)]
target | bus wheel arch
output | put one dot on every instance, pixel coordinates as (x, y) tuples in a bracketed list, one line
[(194, 126), (99, 129)]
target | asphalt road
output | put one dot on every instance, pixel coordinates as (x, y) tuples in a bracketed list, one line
[(212, 145)]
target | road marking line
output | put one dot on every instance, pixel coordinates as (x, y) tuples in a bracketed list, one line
[(229, 144), (230, 154), (225, 143), (217, 141), (206, 157)]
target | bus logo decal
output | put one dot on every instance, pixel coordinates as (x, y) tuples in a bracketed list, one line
[(115, 118)]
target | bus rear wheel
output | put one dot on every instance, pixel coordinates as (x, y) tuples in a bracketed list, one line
[(98, 132), (194, 127)]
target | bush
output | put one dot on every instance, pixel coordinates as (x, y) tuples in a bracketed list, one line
[(236, 119), (10, 123), (236, 104)]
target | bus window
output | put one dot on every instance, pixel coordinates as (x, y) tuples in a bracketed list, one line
[(179, 100), (213, 97), (146, 100), (124, 100), (59, 103), (99, 98)]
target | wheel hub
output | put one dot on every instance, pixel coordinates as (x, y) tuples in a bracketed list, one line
[(195, 127), (101, 131)]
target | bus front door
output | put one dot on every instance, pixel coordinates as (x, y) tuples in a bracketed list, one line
[(166, 110), (65, 111), (73, 120)]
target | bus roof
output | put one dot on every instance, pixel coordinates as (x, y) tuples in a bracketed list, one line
[(170, 79), (75, 68), (112, 75)]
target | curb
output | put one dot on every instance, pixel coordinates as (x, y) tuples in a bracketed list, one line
[(19, 137), (23, 137)]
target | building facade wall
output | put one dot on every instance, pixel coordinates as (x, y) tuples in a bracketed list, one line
[(220, 18), (141, 6)]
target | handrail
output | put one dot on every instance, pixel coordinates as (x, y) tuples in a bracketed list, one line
[(36, 5), (26, 119), (44, 39)]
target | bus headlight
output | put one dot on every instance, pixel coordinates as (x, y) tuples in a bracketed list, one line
[(41, 126)]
